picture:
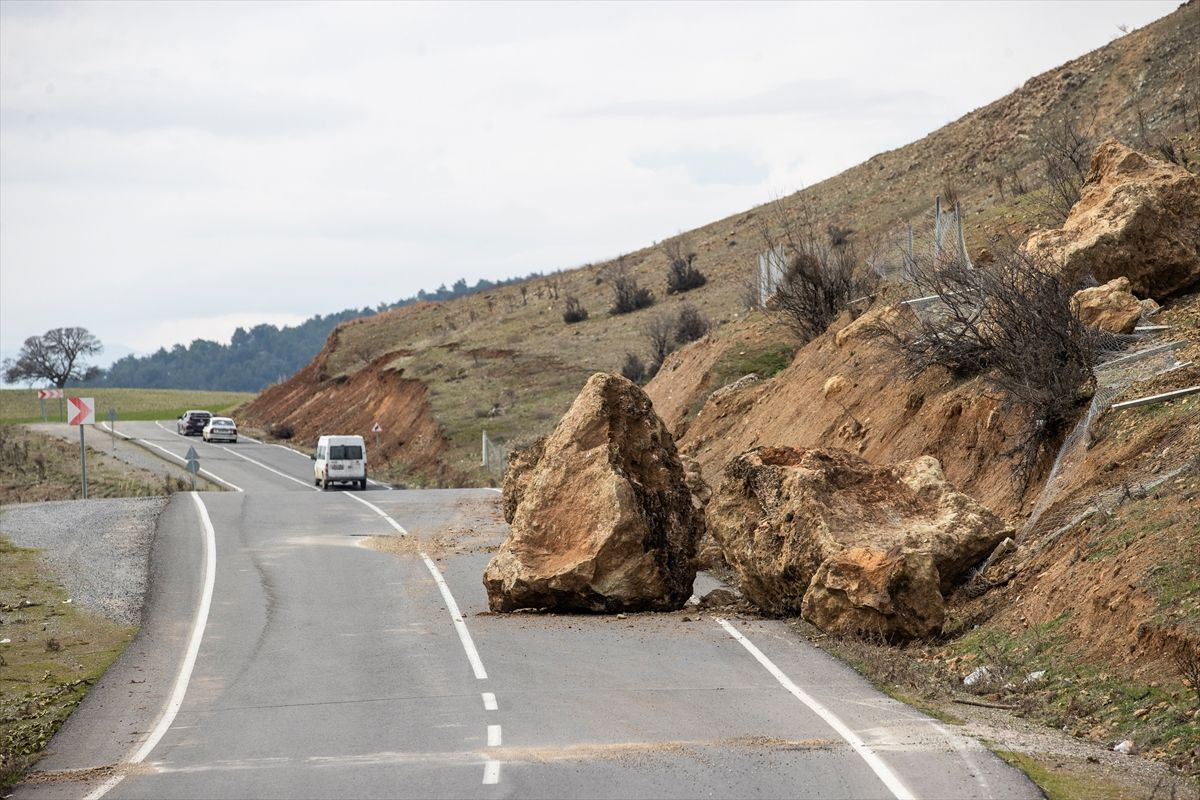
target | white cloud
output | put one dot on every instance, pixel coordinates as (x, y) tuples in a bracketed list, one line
[(318, 156)]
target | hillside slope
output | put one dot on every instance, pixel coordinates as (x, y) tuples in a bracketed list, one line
[(505, 362)]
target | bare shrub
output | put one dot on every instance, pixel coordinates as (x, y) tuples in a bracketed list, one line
[(821, 278), (690, 325), (627, 295), (633, 368), (660, 331), (1011, 322), (1065, 152), (682, 275), (574, 311), (280, 430), (1187, 660)]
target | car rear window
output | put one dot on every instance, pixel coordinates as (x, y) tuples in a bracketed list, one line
[(344, 452)]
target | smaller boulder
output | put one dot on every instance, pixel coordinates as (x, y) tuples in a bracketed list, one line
[(1111, 307), (718, 598), (834, 386), (863, 592)]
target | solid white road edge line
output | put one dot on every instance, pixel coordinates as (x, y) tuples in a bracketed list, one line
[(494, 737), (489, 702), (884, 773), (189, 658), (203, 472)]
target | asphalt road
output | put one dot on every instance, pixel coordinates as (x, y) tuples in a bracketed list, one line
[(300, 643)]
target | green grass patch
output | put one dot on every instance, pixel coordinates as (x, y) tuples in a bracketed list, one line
[(1060, 783), (764, 361), (56, 652), (23, 406)]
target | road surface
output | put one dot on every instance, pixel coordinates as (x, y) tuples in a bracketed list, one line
[(299, 643)]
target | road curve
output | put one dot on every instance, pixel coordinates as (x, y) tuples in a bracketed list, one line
[(321, 667)]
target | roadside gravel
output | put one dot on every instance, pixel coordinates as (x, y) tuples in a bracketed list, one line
[(99, 549)]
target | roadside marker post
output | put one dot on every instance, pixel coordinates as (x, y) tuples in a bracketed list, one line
[(193, 464), (85, 414), (377, 429), (112, 427), (45, 393)]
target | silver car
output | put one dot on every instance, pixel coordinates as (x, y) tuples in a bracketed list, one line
[(220, 429)]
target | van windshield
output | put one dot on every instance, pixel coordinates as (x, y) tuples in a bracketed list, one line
[(345, 452)]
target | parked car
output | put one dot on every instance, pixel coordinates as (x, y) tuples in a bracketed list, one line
[(340, 459), (191, 423), (220, 428)]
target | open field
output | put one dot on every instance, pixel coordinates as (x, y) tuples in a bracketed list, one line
[(36, 467), (21, 405)]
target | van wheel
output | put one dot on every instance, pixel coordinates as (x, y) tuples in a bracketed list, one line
[(362, 485), (325, 485)]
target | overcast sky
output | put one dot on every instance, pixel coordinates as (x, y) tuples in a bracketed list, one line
[(172, 170)]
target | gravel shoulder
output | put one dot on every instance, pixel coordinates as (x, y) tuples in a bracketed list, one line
[(98, 549)]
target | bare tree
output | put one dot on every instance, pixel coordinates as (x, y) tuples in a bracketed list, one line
[(55, 356), (682, 275), (574, 311), (660, 331), (627, 295), (1012, 323), (822, 275), (1066, 154), (633, 368), (690, 325)]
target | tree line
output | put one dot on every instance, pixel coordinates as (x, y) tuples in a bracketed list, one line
[(252, 360)]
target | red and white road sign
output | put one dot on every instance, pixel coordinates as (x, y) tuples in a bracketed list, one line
[(376, 428), (45, 394), (84, 409)]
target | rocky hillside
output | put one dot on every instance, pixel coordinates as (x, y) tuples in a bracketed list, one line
[(505, 362)]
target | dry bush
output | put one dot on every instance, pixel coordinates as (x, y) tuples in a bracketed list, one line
[(574, 311), (633, 368), (821, 278), (1187, 660), (682, 275), (1066, 153), (660, 331), (280, 430), (627, 295), (1011, 322), (690, 325)]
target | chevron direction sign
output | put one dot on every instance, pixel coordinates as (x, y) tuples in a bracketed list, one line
[(84, 410)]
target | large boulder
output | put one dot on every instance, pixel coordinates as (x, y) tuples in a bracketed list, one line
[(1136, 217), (1111, 307), (780, 512), (861, 592), (604, 518), (517, 473)]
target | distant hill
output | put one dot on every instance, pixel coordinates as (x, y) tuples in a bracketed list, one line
[(256, 358)]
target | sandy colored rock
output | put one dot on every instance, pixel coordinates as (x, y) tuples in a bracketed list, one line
[(863, 592), (834, 386), (780, 512), (1111, 307), (1137, 217), (604, 519), (516, 475), (864, 327)]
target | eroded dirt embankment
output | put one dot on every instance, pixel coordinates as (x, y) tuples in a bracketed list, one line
[(314, 403)]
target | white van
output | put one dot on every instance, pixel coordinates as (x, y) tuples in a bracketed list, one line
[(340, 459)]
